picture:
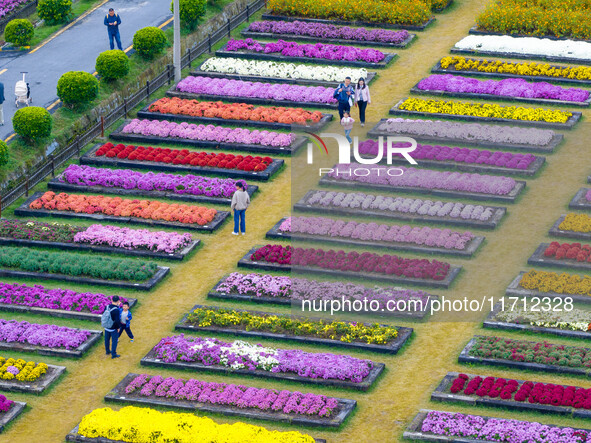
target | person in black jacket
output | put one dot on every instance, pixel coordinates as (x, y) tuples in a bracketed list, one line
[(112, 22), (112, 334)]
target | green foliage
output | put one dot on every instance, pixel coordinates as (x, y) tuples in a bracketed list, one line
[(77, 87), (3, 152), (190, 11), (112, 64), (149, 41), (54, 11), (19, 32), (32, 123)]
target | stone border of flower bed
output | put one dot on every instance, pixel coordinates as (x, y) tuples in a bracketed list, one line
[(509, 198), (438, 69), (118, 135), (17, 408), (58, 186), (518, 55), (378, 368), (303, 206), (464, 357), (286, 18), (24, 211), (118, 395), (392, 348), (94, 338), (334, 41), (90, 159), (145, 113), (60, 313), (578, 202), (556, 231), (275, 233), (538, 259), (549, 148), (247, 55), (478, 96), (514, 290), (570, 123), (442, 393), (254, 78), (35, 387), (246, 262)]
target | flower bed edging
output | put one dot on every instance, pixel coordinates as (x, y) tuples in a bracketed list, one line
[(514, 290), (538, 259), (34, 387), (570, 123), (17, 408), (578, 202), (285, 18), (118, 395), (519, 55), (275, 233), (404, 335), (55, 352)]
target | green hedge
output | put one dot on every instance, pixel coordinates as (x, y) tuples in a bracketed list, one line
[(32, 123), (149, 41), (112, 65), (19, 32), (3, 152), (190, 11), (54, 11), (77, 87)]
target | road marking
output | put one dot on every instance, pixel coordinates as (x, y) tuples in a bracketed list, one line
[(10, 137), (53, 105), (128, 49), (166, 22), (3, 71)]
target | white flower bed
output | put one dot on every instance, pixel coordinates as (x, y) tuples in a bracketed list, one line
[(575, 320), (261, 356)]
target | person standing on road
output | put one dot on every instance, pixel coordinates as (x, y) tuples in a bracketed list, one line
[(345, 94), (112, 22), (362, 98), (111, 322), (240, 202), (1, 103)]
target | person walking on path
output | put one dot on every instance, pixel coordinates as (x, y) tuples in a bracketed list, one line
[(111, 322), (125, 319), (2, 103), (347, 123), (362, 98), (240, 202), (345, 94), (112, 22)]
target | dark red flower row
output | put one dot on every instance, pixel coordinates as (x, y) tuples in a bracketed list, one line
[(572, 251), (273, 254)]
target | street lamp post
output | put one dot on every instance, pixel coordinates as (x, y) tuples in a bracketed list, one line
[(177, 43)]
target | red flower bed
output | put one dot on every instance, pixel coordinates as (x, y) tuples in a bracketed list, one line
[(569, 251), (184, 157), (273, 254)]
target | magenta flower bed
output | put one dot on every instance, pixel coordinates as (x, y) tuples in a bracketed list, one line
[(238, 88), (273, 254), (322, 30), (458, 155), (417, 235), (427, 179), (7, 6), (5, 404), (588, 195), (220, 134), (242, 355), (244, 397), (317, 51), (511, 87), (40, 297), (47, 336)]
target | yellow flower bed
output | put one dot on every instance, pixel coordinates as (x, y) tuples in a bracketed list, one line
[(519, 68), (485, 110), (28, 371), (560, 283), (576, 223), (142, 425)]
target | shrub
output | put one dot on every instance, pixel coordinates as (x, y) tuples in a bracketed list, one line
[(112, 64), (3, 152), (190, 11), (54, 11), (19, 32), (32, 123), (77, 87), (149, 41)]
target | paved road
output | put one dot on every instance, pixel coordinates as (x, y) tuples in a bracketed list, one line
[(75, 49)]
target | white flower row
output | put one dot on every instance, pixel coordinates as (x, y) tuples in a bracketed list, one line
[(281, 70), (260, 355), (575, 320)]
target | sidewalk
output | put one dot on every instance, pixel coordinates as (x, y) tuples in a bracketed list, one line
[(75, 49)]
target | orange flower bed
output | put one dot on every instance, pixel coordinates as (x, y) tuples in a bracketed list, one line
[(120, 207), (234, 111)]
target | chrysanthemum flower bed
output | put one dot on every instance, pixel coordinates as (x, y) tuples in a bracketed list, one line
[(574, 319), (21, 370), (43, 336), (576, 223), (568, 251), (563, 283)]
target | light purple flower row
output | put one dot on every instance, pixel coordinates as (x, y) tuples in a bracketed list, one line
[(418, 235), (322, 30), (458, 155), (511, 87), (239, 88), (358, 200), (243, 397), (47, 336)]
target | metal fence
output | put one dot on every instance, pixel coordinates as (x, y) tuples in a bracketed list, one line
[(24, 12), (55, 160)]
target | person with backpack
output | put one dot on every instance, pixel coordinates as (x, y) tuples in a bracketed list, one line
[(111, 322), (345, 94), (112, 22)]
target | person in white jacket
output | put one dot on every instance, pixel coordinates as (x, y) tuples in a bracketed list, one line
[(240, 202), (362, 98)]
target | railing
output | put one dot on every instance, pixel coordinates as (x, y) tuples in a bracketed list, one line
[(54, 161), (25, 11)]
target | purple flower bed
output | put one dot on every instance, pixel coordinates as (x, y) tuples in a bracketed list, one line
[(358, 200), (476, 427), (428, 179), (511, 87), (468, 131), (322, 30), (6, 404), (244, 397), (418, 235), (458, 155), (242, 355), (149, 181), (40, 297), (238, 88), (220, 134), (47, 336), (7, 6), (317, 51)]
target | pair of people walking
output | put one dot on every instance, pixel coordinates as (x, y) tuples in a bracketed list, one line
[(349, 95), (115, 319)]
